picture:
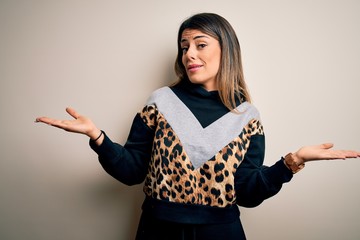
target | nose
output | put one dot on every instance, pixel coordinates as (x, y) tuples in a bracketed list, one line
[(190, 53)]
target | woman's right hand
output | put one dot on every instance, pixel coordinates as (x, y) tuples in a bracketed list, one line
[(80, 124)]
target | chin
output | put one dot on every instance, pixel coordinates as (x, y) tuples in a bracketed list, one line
[(196, 81)]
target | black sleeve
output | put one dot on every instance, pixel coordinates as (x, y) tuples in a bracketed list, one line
[(255, 182), (128, 163)]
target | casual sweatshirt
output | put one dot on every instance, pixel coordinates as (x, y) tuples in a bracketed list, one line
[(198, 160)]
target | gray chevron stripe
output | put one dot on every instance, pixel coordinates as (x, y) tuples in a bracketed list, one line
[(200, 143)]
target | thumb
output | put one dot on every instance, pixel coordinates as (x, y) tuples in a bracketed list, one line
[(326, 145), (72, 112)]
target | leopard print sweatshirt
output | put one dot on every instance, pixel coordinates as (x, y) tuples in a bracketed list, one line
[(198, 161)]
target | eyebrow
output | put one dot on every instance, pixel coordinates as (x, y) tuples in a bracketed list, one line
[(196, 37)]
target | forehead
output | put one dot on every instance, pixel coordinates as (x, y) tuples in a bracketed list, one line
[(189, 34)]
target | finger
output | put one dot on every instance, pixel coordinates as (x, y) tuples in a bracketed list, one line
[(72, 112), (343, 154), (51, 122), (45, 120), (351, 154), (38, 119)]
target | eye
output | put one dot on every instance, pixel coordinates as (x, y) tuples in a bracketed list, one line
[(184, 49), (202, 45)]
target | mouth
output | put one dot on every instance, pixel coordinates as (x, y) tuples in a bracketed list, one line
[(193, 67)]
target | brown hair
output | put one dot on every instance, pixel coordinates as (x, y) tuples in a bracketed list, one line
[(230, 78)]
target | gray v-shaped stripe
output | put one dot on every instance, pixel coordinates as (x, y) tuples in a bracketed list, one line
[(199, 143)]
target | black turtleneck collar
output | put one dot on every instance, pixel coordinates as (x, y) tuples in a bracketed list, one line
[(205, 105), (197, 89)]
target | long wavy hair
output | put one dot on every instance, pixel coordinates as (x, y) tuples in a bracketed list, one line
[(230, 78)]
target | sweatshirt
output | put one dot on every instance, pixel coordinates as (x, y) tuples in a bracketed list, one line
[(198, 161)]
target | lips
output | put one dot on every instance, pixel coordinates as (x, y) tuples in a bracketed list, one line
[(193, 67)]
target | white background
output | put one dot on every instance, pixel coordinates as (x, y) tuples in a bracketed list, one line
[(104, 58)]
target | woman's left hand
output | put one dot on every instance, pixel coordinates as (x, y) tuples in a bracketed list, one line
[(322, 152)]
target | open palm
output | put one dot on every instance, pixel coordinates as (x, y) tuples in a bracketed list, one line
[(323, 152), (80, 124)]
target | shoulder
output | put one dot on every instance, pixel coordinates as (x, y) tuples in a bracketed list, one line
[(150, 112), (159, 95), (249, 110)]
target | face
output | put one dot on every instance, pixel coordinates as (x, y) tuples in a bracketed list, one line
[(201, 57)]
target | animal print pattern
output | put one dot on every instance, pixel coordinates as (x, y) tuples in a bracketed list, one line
[(172, 177)]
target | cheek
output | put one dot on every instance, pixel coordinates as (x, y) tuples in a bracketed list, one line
[(215, 62), (183, 60)]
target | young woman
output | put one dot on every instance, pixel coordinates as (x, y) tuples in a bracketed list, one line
[(198, 145)]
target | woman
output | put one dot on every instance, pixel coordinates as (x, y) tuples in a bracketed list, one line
[(198, 145)]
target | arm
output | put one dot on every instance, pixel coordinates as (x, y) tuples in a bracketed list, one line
[(128, 163), (254, 182)]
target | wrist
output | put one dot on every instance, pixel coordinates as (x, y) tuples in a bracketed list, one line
[(94, 134), (293, 162)]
